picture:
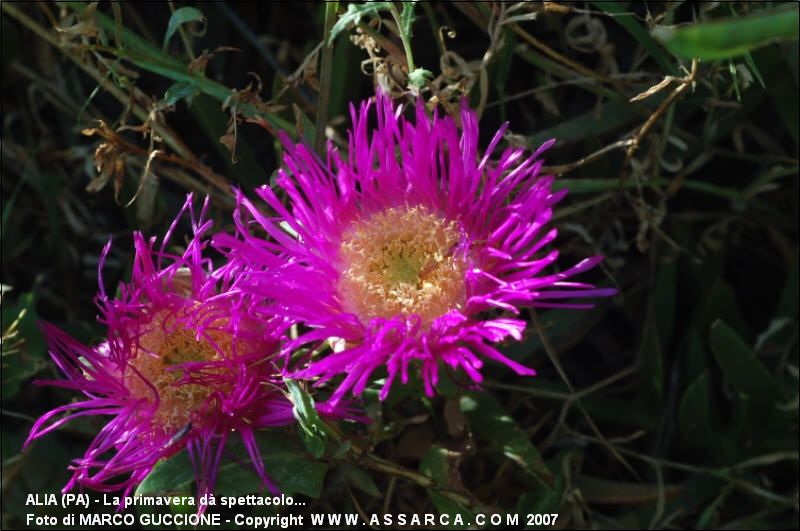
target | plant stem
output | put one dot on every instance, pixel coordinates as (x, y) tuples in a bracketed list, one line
[(406, 43), (324, 98)]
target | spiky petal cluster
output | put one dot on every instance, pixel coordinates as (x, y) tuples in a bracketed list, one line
[(184, 365), (413, 250)]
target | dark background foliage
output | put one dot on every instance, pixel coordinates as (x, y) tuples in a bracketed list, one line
[(673, 405)]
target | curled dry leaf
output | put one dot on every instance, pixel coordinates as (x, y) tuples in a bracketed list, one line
[(554, 7), (86, 25), (664, 83), (307, 72), (251, 96), (109, 159), (299, 128), (111, 155), (198, 65), (388, 70), (248, 96), (311, 72), (229, 139)]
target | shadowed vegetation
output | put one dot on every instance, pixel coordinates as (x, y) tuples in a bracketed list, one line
[(673, 405)]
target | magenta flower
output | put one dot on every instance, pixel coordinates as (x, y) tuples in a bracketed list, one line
[(183, 366), (414, 250)]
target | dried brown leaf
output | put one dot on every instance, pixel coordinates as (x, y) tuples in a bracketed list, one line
[(229, 141), (664, 83), (298, 121), (109, 160), (86, 25), (198, 65)]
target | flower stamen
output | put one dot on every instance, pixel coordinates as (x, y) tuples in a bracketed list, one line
[(402, 261), (166, 344)]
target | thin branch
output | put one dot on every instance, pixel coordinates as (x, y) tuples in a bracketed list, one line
[(566, 168), (560, 370), (326, 75), (686, 82), (566, 61)]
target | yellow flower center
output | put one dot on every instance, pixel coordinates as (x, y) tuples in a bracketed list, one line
[(166, 344), (402, 261)]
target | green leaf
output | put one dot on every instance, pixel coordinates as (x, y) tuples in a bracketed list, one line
[(491, 421), (179, 91), (564, 328), (407, 18), (353, 15), (182, 16), (419, 77), (658, 332), (693, 355), (170, 476), (313, 429), (717, 302), (540, 499), (612, 116), (694, 414), (595, 186), (741, 366), (782, 88), (652, 365), (289, 466), (731, 37), (784, 94), (284, 461), (774, 62), (606, 409), (663, 300), (502, 68), (787, 306), (751, 64), (345, 57), (436, 464), (360, 479)]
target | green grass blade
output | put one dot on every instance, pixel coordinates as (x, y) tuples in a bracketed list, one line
[(731, 37)]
